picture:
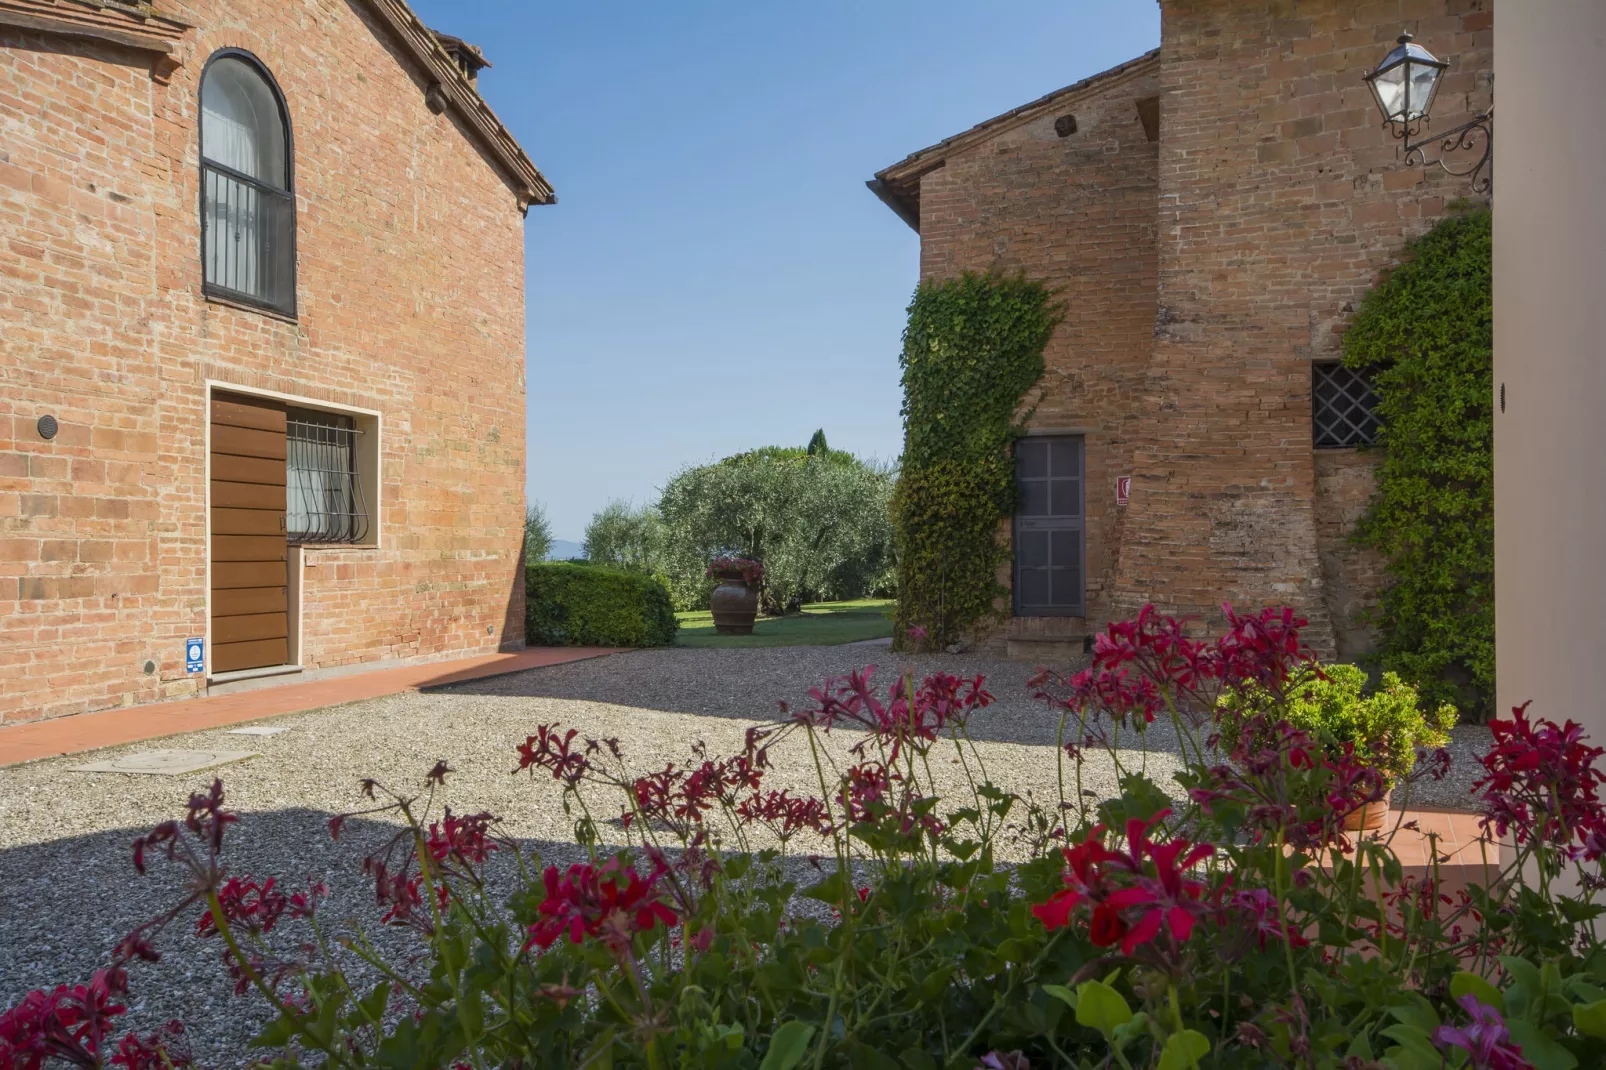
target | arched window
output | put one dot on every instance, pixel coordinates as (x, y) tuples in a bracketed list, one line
[(248, 209)]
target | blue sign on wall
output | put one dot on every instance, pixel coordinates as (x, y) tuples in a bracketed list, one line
[(195, 655)]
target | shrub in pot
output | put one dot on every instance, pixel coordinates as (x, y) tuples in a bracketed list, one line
[(1388, 727), (734, 603)]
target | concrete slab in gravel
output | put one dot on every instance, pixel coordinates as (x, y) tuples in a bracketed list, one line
[(259, 730), (167, 762)]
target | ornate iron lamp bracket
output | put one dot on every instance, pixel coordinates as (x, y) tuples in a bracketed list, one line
[(1474, 136)]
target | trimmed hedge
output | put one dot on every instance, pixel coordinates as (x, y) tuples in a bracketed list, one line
[(569, 604)]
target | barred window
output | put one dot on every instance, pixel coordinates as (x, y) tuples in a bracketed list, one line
[(1343, 407), (248, 220), (324, 495)]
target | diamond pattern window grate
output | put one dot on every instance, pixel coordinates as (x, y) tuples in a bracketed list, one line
[(1343, 408)]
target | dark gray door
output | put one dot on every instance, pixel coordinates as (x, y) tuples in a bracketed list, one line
[(1049, 537)]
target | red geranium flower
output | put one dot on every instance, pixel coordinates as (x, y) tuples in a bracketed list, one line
[(608, 901)]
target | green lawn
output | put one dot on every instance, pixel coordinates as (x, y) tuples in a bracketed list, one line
[(820, 624)]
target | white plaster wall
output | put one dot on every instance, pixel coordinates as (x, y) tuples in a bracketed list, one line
[(1550, 352)]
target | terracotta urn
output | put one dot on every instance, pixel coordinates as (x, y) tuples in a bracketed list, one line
[(734, 605), (1370, 816)]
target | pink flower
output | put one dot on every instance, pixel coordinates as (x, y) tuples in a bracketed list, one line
[(1139, 664), (70, 1024), (608, 901), (1084, 879), (548, 750), (1163, 895), (752, 572), (251, 906), (900, 718), (155, 1051), (1260, 908), (1543, 782), (1484, 1039), (785, 814)]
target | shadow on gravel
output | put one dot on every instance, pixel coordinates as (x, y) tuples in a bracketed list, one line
[(750, 684), (64, 905)]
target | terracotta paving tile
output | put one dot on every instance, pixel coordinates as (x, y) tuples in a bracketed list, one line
[(1460, 843), (134, 724)]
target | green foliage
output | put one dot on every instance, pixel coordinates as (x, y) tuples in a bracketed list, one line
[(537, 533), (624, 537), (817, 444), (818, 523), (972, 349), (1388, 725), (568, 604), (1426, 337)]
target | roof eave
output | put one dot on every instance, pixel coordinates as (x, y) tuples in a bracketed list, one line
[(909, 213), (518, 171), (909, 170)]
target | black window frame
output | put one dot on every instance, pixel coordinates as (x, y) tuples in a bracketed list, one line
[(1332, 422), (214, 290), (1079, 526)]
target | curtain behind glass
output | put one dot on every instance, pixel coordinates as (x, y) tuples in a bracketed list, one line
[(247, 232)]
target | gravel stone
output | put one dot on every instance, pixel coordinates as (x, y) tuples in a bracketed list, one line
[(68, 891)]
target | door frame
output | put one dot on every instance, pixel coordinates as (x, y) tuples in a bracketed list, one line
[(294, 562), (1081, 438)]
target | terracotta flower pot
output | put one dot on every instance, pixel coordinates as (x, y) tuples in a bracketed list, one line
[(734, 605), (1370, 816)]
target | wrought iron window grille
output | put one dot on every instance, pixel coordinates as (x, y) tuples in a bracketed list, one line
[(324, 492), (248, 236), (1343, 408)]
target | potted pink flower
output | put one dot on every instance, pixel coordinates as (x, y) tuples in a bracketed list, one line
[(734, 603)]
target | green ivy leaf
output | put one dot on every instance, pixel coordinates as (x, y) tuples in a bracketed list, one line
[(1416, 1013), (788, 1045), (1063, 994), (1590, 1018), (1360, 1048), (1098, 1006), (1413, 1051), (1465, 983), (1539, 1047), (1183, 1050)]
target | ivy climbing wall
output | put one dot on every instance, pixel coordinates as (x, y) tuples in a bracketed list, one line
[(1281, 202)]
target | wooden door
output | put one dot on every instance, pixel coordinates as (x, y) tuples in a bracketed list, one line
[(250, 556), (1049, 547)]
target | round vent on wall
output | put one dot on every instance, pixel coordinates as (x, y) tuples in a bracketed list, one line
[(1065, 125), (47, 427)]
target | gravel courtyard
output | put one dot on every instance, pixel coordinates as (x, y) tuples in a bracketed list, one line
[(68, 890)]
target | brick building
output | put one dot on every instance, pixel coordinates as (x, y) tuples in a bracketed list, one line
[(1212, 212), (262, 300)]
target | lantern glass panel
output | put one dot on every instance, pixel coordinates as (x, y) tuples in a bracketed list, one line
[(1424, 81), (1389, 89)]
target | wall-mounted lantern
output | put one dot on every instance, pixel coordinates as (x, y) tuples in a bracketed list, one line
[(1404, 86)]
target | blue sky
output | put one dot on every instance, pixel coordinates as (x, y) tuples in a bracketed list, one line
[(715, 276)]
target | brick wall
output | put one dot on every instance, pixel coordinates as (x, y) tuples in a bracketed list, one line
[(1076, 212), (410, 293), (1280, 202)]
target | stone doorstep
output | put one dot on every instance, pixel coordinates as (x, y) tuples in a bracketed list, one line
[(1044, 651)]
